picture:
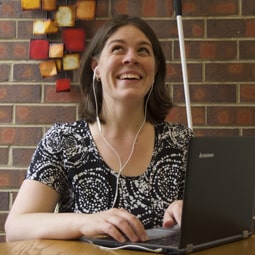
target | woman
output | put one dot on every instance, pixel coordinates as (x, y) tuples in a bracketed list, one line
[(120, 169)]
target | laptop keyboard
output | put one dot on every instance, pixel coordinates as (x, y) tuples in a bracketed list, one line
[(169, 238)]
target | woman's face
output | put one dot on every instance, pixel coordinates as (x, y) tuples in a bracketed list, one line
[(126, 65)]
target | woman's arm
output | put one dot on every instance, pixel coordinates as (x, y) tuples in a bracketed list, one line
[(32, 217)]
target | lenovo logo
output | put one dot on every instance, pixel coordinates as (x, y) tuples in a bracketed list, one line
[(206, 155)]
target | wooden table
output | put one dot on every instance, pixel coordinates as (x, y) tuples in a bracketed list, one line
[(59, 247)]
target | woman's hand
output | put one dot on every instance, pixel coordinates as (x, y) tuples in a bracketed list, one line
[(117, 223), (173, 214)]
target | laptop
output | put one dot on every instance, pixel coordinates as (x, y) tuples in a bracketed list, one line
[(218, 199)]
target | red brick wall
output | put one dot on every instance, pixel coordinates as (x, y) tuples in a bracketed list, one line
[(220, 49)]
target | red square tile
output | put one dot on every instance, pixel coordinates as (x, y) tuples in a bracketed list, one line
[(63, 85), (74, 39), (39, 49)]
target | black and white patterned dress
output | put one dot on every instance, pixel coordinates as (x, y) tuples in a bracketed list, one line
[(67, 160)]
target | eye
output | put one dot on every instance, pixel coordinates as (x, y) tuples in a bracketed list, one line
[(117, 49), (144, 51)]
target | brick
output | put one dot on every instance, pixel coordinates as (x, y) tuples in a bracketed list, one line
[(210, 8), (51, 96), (4, 156), (144, 8), (102, 8), (22, 156), (3, 217), (231, 116), (164, 28), (10, 9), (231, 28), (193, 28), (18, 136), (174, 72), (4, 72), (11, 178), (207, 93), (208, 50), (247, 93), (25, 29), (6, 114), (26, 72), (248, 7), (18, 93), (168, 28), (4, 201), (167, 49), (7, 29), (249, 132), (42, 114), (216, 132), (178, 115), (247, 49), (121, 6), (19, 51), (230, 72)]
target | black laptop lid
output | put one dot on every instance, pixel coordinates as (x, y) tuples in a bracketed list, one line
[(219, 191)]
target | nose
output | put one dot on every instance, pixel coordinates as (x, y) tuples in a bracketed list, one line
[(130, 57)]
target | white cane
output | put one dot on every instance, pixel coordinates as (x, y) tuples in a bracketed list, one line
[(178, 10)]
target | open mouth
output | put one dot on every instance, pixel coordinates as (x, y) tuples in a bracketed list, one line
[(129, 77)]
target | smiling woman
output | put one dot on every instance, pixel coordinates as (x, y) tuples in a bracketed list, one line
[(160, 101), (120, 169)]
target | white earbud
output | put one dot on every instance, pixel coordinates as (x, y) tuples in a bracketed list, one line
[(94, 91), (95, 73)]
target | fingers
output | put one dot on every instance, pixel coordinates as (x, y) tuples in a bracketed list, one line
[(123, 225), (173, 214), (119, 224)]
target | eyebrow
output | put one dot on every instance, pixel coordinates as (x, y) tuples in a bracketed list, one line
[(124, 42)]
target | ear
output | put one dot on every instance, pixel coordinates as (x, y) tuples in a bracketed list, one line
[(94, 64)]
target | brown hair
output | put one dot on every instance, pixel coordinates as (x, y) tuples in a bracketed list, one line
[(159, 102)]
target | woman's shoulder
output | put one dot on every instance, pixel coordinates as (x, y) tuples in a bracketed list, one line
[(62, 133), (62, 136), (176, 133), (68, 128)]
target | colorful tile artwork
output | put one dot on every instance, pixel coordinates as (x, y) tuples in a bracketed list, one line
[(59, 57)]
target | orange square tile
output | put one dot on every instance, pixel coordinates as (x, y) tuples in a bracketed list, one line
[(50, 26), (59, 64), (86, 9), (49, 5), (56, 50), (48, 68)]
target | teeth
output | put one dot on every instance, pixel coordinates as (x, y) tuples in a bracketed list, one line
[(129, 76)]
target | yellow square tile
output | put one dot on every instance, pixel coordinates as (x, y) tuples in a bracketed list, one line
[(65, 16), (30, 4)]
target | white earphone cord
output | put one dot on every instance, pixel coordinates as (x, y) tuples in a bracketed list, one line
[(121, 167)]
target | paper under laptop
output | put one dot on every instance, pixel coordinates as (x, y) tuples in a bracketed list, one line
[(218, 199)]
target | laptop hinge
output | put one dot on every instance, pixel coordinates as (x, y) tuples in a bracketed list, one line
[(189, 248), (245, 233)]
